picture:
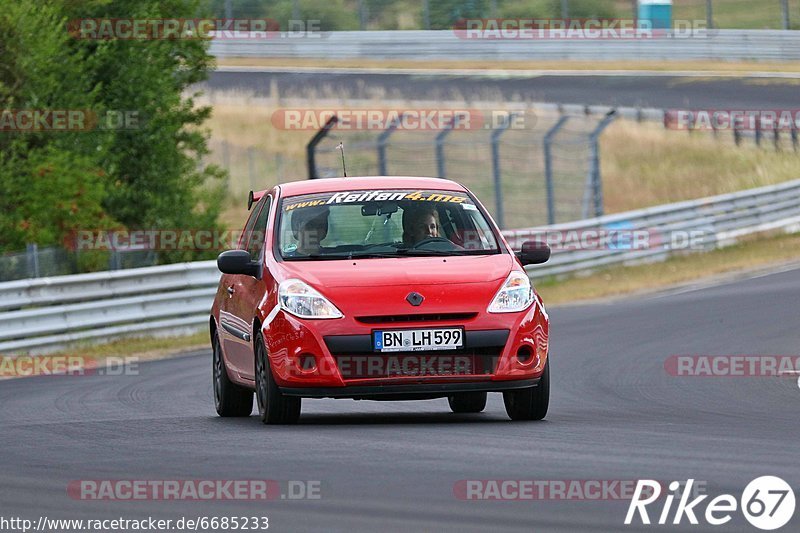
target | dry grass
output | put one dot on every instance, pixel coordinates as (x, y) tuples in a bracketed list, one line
[(698, 66), (143, 348), (620, 280), (645, 165), (642, 163), (738, 14), (125, 351)]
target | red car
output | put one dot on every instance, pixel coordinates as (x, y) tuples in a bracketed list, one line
[(380, 288)]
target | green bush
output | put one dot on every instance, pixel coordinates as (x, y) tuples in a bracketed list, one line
[(150, 176)]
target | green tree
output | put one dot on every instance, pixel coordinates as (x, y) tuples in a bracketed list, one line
[(50, 182), (150, 176)]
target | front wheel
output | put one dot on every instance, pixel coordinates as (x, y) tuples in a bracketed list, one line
[(530, 403), (467, 402), (273, 406), (229, 398)]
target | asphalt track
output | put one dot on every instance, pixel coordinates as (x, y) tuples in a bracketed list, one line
[(615, 415), (669, 92)]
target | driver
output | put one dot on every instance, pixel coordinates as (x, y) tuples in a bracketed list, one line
[(420, 223), (310, 227)]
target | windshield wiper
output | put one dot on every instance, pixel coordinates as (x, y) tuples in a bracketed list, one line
[(339, 257), (439, 253), (400, 252), (315, 257), (367, 255)]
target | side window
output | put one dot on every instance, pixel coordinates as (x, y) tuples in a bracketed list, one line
[(255, 242), (248, 228)]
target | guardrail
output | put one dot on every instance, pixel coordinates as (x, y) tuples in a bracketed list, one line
[(46, 313), (701, 225), (42, 314), (418, 45)]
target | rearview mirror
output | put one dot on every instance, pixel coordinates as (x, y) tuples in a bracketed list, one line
[(238, 262), (378, 208), (533, 253)]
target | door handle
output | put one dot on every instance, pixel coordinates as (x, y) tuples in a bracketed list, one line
[(230, 290)]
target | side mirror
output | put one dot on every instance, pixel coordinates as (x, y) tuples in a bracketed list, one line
[(533, 253), (237, 262)]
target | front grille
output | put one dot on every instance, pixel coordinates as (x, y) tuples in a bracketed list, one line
[(430, 317), (463, 362)]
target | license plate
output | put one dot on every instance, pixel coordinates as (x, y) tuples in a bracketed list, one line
[(418, 340)]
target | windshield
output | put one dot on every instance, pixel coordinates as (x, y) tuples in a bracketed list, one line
[(382, 223)]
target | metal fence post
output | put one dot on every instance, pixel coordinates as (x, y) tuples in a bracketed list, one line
[(440, 138), (33, 259), (383, 140), (548, 168), (785, 13), (311, 147), (226, 156), (758, 133), (709, 15), (794, 136), (251, 168), (279, 168), (597, 182), (363, 17), (498, 179), (115, 260)]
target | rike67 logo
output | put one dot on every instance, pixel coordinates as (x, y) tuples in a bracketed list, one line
[(767, 503)]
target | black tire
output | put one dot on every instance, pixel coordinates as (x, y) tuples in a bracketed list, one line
[(273, 407), (230, 400), (467, 402), (530, 403)]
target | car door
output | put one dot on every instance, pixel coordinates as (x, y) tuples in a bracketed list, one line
[(233, 331), (247, 293)]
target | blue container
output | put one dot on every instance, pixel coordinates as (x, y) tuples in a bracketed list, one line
[(657, 13)]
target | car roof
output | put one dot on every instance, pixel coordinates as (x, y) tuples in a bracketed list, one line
[(365, 183)]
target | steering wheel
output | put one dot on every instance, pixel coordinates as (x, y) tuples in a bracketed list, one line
[(430, 240)]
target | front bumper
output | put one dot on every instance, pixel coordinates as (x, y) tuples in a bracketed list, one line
[(411, 391), (492, 348)]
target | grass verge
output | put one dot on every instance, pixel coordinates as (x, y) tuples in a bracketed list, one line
[(143, 348), (120, 353)]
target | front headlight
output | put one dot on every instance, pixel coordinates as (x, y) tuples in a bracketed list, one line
[(515, 295), (301, 300)]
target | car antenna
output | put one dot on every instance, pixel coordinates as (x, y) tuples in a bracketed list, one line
[(341, 149)]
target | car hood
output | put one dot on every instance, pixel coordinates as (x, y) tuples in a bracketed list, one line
[(405, 271)]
